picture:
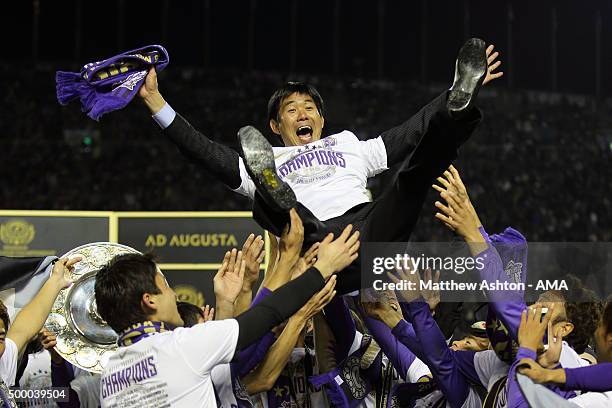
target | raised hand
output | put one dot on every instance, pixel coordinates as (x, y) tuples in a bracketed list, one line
[(381, 305), (62, 269), (49, 341), (533, 325), (335, 255), (492, 65), (431, 296), (149, 86), (412, 281), (291, 240), (550, 357), (208, 313), (458, 214), (229, 278), (253, 253), (306, 261), (318, 301), (149, 92)]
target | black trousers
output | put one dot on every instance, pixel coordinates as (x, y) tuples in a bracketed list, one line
[(425, 145)]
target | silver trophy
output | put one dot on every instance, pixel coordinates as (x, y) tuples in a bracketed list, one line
[(83, 338)]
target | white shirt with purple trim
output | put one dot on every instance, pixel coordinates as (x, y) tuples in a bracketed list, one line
[(329, 176)]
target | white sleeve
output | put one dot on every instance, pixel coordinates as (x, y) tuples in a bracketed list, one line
[(8, 362), (374, 154), (87, 387), (593, 400), (247, 187), (205, 345), (417, 370), (165, 116), (356, 342), (489, 367)]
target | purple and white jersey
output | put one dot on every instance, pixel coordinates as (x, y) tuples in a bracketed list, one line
[(329, 176)]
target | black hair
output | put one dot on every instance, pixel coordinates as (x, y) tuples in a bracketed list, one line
[(4, 316), (290, 88), (189, 312), (607, 318), (583, 309), (119, 288)]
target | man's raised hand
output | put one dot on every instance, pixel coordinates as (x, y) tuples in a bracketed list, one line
[(228, 280), (149, 92), (291, 240), (253, 253), (335, 255), (458, 214), (62, 269), (492, 65), (318, 301)]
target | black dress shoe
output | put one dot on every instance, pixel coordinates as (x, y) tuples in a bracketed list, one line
[(259, 162), (470, 71)]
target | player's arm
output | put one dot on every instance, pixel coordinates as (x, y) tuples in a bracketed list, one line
[(62, 372), (266, 374), (253, 250), (289, 248), (381, 319), (333, 256), (222, 162), (32, 317), (459, 215), (437, 354)]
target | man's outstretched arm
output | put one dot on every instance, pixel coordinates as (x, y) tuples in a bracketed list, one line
[(219, 160), (433, 119)]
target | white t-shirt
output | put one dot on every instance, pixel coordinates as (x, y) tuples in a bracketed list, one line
[(329, 176), (593, 400), (169, 369), (37, 375), (8, 362), (228, 391), (87, 387)]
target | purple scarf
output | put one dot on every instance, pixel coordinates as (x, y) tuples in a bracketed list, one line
[(110, 84), (348, 384)]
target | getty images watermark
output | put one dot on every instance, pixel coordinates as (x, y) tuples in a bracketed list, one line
[(507, 270)]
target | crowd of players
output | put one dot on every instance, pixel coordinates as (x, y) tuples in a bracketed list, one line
[(383, 351), (306, 339)]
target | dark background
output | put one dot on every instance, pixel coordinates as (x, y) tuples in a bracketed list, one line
[(552, 45), (540, 161)]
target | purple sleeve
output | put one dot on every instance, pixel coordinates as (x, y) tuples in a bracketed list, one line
[(439, 356), (252, 355), (61, 376), (507, 305), (515, 396), (401, 357), (342, 325), (404, 332), (597, 378)]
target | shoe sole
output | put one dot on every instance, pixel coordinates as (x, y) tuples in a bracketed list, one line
[(471, 69), (259, 162)]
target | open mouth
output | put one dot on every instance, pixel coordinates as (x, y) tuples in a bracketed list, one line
[(304, 132)]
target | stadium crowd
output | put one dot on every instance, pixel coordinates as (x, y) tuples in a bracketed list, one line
[(531, 146)]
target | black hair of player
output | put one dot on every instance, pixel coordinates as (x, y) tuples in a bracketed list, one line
[(583, 309), (4, 316), (119, 288), (189, 312), (289, 88), (607, 318)]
